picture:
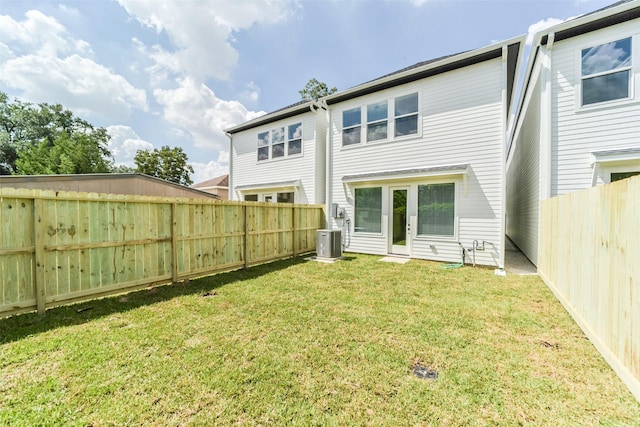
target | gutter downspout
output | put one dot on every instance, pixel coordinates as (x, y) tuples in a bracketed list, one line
[(231, 192), (328, 164), (503, 165)]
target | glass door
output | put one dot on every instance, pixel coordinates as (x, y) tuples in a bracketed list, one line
[(400, 232)]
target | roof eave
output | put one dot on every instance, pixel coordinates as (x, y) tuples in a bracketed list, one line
[(272, 117), (437, 67)]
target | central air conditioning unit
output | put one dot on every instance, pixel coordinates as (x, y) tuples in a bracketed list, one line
[(329, 244)]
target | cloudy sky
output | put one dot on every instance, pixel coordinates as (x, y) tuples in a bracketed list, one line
[(177, 73)]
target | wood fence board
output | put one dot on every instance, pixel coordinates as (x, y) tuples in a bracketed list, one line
[(588, 255), (77, 246)]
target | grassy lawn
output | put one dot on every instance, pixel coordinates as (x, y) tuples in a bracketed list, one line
[(306, 343)]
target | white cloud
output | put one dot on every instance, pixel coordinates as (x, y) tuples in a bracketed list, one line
[(124, 144), (39, 34), (541, 25), (201, 32), (79, 83), (418, 3), (42, 60), (251, 93), (205, 171), (195, 109)]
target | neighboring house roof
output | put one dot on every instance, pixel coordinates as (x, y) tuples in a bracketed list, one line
[(220, 181), (281, 114), (405, 75), (110, 183)]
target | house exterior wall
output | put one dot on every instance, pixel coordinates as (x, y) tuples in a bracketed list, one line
[(305, 167), (523, 177), (555, 135), (461, 116), (577, 131)]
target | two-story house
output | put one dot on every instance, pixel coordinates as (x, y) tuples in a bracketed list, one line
[(410, 164), (578, 120)]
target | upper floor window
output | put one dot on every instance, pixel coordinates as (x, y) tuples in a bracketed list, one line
[(406, 112), (351, 126), (606, 72), (391, 118), (272, 144), (377, 121)]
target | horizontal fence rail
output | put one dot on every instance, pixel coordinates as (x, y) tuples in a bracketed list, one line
[(589, 255), (62, 247)]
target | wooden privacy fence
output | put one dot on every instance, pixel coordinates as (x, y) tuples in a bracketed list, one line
[(61, 247), (589, 255)]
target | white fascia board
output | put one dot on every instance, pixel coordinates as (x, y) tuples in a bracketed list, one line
[(269, 185), (436, 64)]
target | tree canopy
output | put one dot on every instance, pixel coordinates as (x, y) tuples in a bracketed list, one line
[(315, 90), (48, 139), (166, 163)]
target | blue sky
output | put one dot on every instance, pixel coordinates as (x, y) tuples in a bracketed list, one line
[(178, 73)]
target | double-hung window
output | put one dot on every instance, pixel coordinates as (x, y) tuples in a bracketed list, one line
[(377, 121), (263, 145), (294, 140), (381, 121), (368, 210), (351, 126), (276, 143), (436, 210), (406, 115), (606, 72)]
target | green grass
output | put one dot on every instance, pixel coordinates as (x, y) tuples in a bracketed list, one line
[(306, 343)]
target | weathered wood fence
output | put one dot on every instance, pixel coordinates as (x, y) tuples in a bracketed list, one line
[(61, 247), (589, 255)]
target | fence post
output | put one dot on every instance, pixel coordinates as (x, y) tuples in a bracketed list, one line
[(174, 242), (246, 235), (38, 228), (294, 233)]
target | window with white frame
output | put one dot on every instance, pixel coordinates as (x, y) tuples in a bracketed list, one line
[(606, 72), (377, 121), (406, 114), (379, 127), (351, 121), (272, 144), (368, 210), (436, 209), (294, 139)]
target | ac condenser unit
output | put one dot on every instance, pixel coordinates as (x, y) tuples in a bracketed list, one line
[(328, 244)]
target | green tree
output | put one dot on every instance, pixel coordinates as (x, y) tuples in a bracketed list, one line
[(315, 90), (48, 139), (166, 163)]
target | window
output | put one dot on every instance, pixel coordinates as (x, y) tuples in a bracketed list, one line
[(351, 126), (263, 146), (285, 198), (294, 140), (606, 72), (436, 210), (617, 176), (403, 110), (406, 113), (377, 121), (277, 143), (272, 144), (368, 210), (251, 197)]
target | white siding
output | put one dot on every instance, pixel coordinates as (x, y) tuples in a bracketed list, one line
[(577, 131), (462, 122), (523, 177), (307, 168)]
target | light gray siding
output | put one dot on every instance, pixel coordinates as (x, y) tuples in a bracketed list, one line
[(308, 168), (577, 131), (523, 178), (462, 121)]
